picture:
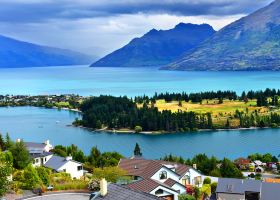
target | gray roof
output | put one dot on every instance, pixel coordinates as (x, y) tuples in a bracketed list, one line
[(34, 145), (118, 192), (55, 162), (40, 155), (270, 191), (237, 186)]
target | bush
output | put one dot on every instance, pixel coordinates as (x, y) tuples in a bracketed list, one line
[(214, 187), (138, 129), (274, 125), (31, 178), (186, 197), (207, 180), (44, 175)]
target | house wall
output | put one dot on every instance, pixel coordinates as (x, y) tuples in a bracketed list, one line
[(192, 173), (165, 192), (170, 174), (179, 187), (38, 161), (224, 196), (71, 168)]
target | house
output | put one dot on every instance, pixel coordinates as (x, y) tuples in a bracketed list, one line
[(160, 178), (67, 165), (259, 169), (259, 163), (117, 192), (39, 152), (241, 189), (242, 163)]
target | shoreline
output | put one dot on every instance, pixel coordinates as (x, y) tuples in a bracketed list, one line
[(166, 132)]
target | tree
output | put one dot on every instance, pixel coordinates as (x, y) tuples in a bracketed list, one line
[(2, 143), (44, 175), (8, 142), (31, 178), (207, 180), (138, 129), (229, 170), (137, 150), (5, 171), (94, 157), (214, 187), (21, 155)]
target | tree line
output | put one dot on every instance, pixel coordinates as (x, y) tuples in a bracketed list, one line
[(122, 112)]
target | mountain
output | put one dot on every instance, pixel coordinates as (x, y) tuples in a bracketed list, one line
[(14, 53), (251, 43), (157, 47)]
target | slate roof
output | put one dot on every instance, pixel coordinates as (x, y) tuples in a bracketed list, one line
[(34, 145), (39, 155), (55, 162), (147, 168), (270, 191), (237, 186), (117, 192)]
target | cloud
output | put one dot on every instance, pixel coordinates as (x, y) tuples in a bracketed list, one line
[(36, 11), (100, 26)]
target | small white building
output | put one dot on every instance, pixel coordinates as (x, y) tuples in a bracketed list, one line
[(67, 165)]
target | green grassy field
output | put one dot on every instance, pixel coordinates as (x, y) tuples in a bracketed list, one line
[(220, 112)]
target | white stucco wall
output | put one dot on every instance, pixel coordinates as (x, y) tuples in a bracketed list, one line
[(38, 161), (71, 168), (179, 187), (170, 174), (192, 173), (165, 192)]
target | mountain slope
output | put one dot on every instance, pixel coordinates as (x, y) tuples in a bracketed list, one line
[(14, 53), (157, 48), (251, 43)]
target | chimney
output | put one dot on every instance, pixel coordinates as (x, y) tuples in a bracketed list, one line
[(18, 140), (68, 158), (103, 187), (47, 142), (194, 166)]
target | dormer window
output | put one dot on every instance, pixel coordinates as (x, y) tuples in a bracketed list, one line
[(163, 175), (158, 192)]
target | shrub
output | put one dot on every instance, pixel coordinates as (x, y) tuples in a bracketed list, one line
[(44, 175), (30, 177), (138, 129), (214, 187), (186, 197), (207, 180)]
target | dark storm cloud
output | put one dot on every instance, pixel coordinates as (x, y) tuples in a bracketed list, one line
[(43, 10)]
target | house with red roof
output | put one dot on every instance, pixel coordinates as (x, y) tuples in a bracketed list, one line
[(160, 178)]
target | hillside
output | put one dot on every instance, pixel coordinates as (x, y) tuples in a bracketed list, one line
[(14, 53), (251, 43), (157, 47)]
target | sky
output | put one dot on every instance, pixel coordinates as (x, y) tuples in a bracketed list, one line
[(98, 27)]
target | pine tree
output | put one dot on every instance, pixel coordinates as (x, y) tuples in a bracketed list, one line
[(2, 143), (137, 150)]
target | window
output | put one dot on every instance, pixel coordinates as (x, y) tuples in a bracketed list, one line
[(186, 180), (163, 175), (160, 191), (80, 168), (64, 170)]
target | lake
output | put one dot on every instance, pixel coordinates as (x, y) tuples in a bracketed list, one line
[(40, 124), (127, 81)]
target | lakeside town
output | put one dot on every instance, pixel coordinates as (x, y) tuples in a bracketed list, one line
[(30, 170)]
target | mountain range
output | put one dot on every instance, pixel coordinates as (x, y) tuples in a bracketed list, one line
[(15, 53), (157, 47), (251, 43)]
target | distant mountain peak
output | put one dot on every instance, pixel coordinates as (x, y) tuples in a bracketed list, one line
[(15, 53), (157, 47), (250, 43)]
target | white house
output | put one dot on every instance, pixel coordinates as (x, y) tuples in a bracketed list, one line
[(67, 165), (160, 178)]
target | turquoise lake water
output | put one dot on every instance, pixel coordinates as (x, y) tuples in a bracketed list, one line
[(39, 124), (127, 81)]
